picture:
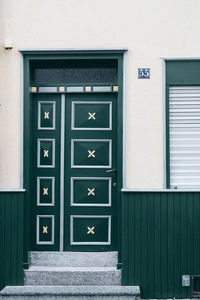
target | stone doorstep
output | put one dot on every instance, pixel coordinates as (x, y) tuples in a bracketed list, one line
[(71, 291), (74, 259), (58, 276)]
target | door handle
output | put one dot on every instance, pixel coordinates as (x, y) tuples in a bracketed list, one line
[(112, 170)]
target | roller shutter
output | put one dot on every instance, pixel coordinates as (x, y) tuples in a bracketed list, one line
[(184, 123)]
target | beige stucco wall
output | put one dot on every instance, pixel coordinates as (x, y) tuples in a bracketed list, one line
[(149, 29)]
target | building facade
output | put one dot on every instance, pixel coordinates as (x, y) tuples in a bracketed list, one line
[(100, 129)]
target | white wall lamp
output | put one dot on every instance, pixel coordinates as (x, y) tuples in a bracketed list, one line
[(8, 44)]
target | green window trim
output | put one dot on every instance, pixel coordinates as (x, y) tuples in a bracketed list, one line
[(178, 73)]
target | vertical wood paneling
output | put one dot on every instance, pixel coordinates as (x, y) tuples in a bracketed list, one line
[(170, 243), (157, 274), (177, 243), (164, 245), (2, 237), (196, 229), (183, 232), (151, 241), (20, 245), (130, 225), (161, 241), (137, 238), (7, 234), (11, 233), (125, 250), (144, 236)]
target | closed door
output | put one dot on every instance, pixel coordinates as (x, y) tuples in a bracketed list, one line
[(74, 172)]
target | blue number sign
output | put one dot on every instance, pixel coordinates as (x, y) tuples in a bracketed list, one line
[(144, 73)]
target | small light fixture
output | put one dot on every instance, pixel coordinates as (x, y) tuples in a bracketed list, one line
[(115, 88), (8, 44), (33, 89), (61, 89), (88, 89)]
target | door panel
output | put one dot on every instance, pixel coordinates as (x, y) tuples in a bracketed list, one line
[(90, 230), (45, 172), (45, 230), (90, 191), (45, 191), (74, 178), (91, 153), (91, 115), (46, 153), (46, 115)]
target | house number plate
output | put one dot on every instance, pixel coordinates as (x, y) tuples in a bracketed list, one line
[(144, 73)]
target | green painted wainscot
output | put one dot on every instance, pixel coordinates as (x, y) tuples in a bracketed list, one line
[(11, 237), (161, 241)]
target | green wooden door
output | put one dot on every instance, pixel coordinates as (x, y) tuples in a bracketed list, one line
[(74, 175)]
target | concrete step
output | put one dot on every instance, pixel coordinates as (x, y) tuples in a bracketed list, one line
[(37, 275), (74, 259), (70, 293)]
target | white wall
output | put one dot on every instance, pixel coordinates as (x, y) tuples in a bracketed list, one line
[(149, 29)]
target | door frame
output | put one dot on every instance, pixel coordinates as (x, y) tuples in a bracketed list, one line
[(31, 55)]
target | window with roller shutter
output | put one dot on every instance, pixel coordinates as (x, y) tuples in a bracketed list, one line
[(183, 124)]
